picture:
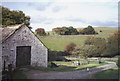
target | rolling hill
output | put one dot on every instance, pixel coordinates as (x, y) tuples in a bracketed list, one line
[(57, 43)]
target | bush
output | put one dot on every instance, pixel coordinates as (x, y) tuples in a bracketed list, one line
[(100, 30), (70, 47), (88, 30), (65, 30), (113, 46), (40, 32)]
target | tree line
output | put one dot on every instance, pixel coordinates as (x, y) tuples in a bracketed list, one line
[(13, 17), (96, 47), (92, 47), (67, 31), (73, 31)]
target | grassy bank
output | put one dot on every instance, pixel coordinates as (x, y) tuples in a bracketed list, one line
[(108, 74), (67, 66)]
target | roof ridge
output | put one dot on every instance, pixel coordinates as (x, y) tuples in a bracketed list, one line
[(19, 26), (12, 26)]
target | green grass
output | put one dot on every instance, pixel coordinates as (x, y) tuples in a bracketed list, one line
[(89, 66), (66, 66), (108, 74), (58, 43), (105, 30), (63, 63), (111, 61)]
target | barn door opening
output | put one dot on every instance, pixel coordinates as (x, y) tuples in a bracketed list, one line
[(23, 56)]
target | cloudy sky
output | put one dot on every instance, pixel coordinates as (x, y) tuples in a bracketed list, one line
[(76, 13)]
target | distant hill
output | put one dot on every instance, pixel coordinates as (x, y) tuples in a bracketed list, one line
[(57, 43), (105, 30)]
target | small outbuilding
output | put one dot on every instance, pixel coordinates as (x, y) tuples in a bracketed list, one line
[(21, 47)]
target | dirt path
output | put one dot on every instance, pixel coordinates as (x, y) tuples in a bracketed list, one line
[(80, 74)]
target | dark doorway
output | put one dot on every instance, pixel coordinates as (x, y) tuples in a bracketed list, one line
[(23, 56)]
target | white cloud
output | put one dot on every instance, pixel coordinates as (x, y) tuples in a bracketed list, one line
[(62, 1), (77, 13)]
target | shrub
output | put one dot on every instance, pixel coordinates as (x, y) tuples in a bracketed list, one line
[(65, 30), (70, 47), (40, 32), (100, 30), (98, 45), (88, 30), (113, 46)]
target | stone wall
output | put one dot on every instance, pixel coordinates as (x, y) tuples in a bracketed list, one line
[(24, 37)]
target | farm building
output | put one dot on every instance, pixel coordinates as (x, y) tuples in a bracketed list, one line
[(20, 47)]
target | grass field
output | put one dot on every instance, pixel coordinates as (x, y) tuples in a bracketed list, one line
[(58, 43), (67, 66), (108, 74), (105, 30)]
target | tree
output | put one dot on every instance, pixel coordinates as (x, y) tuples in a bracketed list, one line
[(98, 43), (58, 30), (88, 30), (98, 46), (70, 47), (113, 45), (40, 31), (65, 30), (12, 17), (70, 31), (83, 52)]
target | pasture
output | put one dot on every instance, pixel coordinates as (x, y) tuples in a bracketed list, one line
[(57, 43)]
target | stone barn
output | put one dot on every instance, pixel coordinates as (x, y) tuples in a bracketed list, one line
[(20, 47)]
